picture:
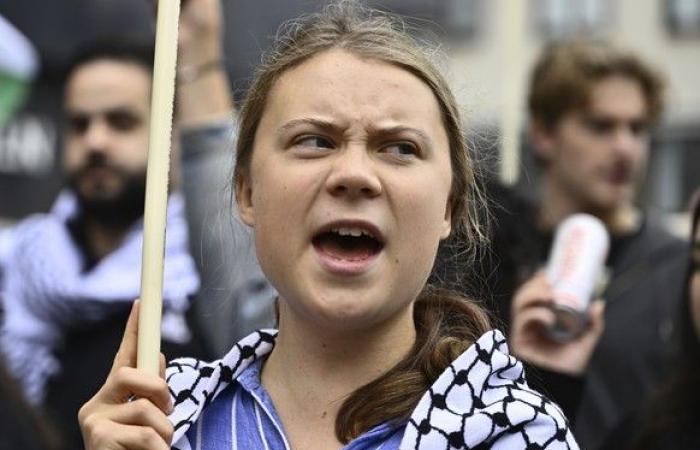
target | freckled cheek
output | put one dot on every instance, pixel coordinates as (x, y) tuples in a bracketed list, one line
[(422, 219), (281, 205), (419, 226), (274, 209)]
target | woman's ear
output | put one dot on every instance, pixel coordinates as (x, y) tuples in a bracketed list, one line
[(244, 198), (447, 221)]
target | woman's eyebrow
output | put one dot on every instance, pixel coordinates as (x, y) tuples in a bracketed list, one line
[(399, 129), (326, 125), (331, 126)]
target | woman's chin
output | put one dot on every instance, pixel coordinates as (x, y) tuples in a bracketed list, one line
[(347, 314)]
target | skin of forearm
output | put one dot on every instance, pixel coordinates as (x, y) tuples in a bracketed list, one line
[(207, 98)]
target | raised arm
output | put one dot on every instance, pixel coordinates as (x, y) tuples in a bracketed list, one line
[(204, 94), (238, 297)]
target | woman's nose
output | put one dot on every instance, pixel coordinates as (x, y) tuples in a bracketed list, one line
[(354, 174)]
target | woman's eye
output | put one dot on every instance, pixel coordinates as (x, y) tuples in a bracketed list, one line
[(401, 149), (314, 142)]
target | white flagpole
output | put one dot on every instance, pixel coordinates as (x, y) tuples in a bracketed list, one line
[(511, 115), (162, 97)]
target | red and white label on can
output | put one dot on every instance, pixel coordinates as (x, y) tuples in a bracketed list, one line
[(577, 259)]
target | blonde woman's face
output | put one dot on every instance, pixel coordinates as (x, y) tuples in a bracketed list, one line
[(348, 190)]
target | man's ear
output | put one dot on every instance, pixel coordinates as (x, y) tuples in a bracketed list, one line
[(542, 138), (244, 198)]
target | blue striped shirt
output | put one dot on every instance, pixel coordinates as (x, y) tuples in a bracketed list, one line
[(243, 417), (480, 401)]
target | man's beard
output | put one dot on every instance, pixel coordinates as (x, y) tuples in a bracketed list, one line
[(118, 210)]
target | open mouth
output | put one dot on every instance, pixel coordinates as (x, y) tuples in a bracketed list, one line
[(348, 243)]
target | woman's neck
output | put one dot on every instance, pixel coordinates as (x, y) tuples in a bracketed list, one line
[(309, 374)]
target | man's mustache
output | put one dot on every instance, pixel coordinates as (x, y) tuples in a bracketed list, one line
[(98, 161)]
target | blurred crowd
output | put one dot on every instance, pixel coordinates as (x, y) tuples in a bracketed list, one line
[(627, 378)]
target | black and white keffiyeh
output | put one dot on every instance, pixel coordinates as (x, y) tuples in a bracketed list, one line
[(480, 401), (46, 290)]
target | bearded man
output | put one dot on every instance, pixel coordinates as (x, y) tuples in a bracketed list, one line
[(70, 276)]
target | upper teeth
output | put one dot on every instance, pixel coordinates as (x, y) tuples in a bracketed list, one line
[(355, 232)]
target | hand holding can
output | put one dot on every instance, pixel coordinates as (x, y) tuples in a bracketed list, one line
[(575, 266)]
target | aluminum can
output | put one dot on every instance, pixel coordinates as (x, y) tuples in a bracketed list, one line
[(575, 266)]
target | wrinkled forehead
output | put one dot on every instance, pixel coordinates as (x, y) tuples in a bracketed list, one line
[(340, 83)]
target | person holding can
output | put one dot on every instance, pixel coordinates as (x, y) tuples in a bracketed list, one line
[(592, 109)]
